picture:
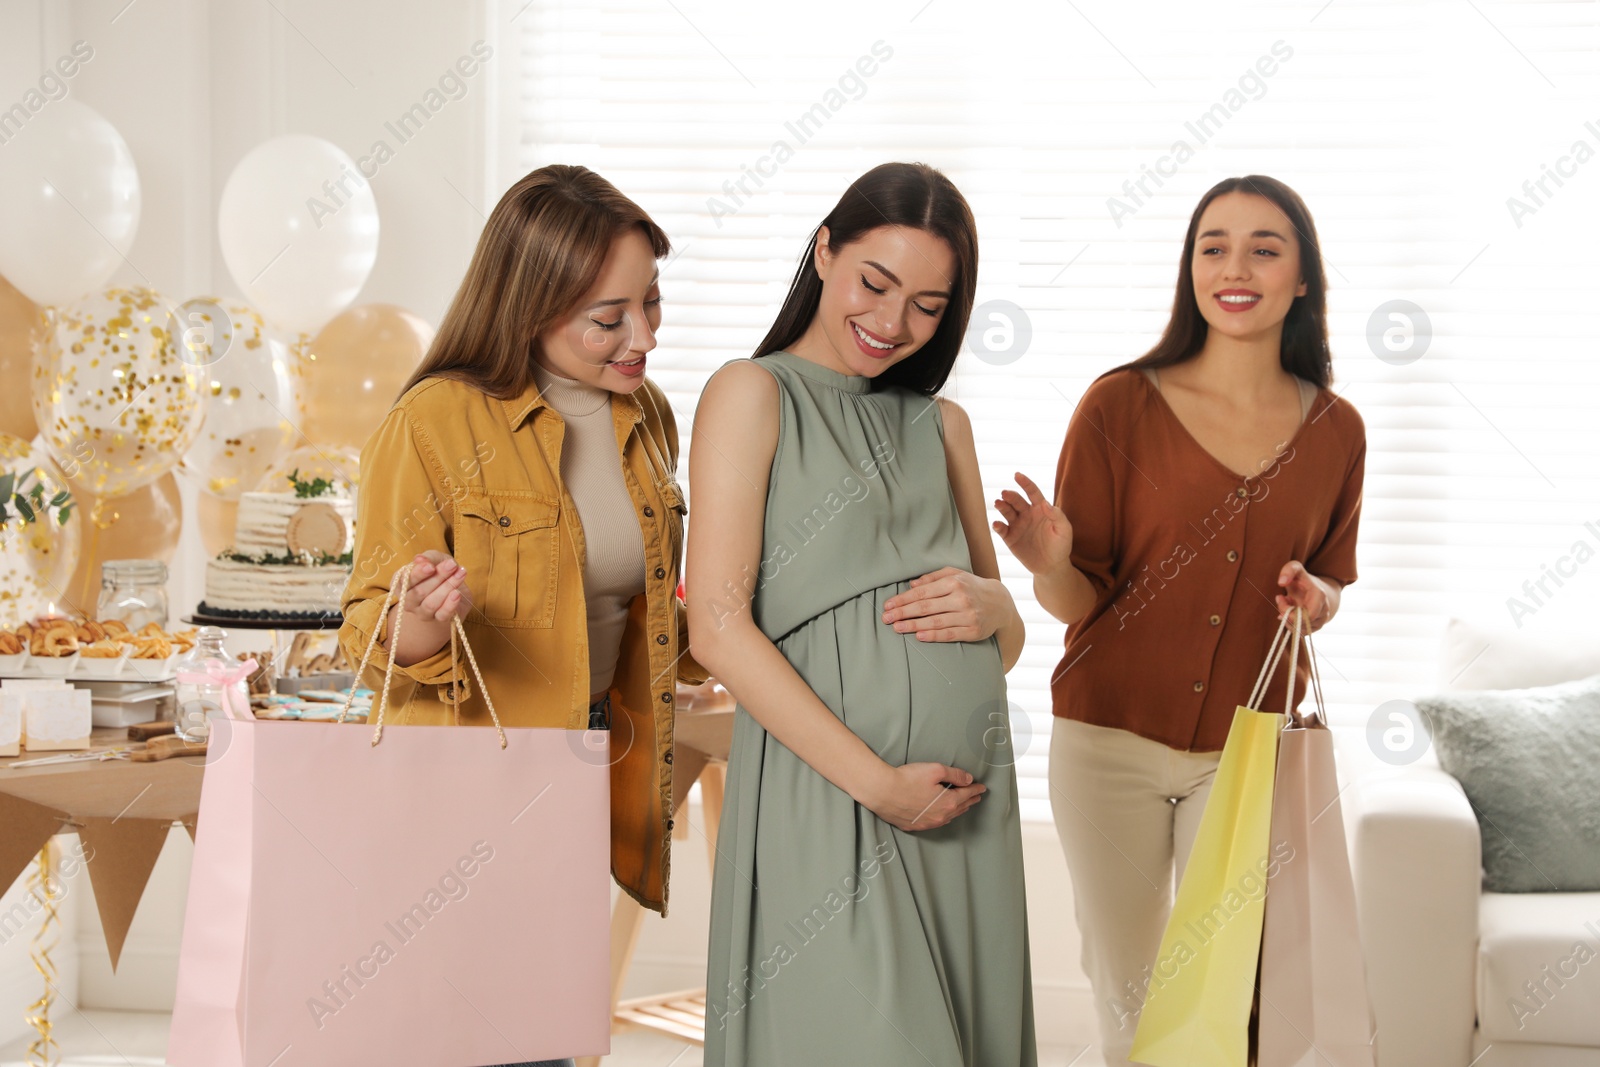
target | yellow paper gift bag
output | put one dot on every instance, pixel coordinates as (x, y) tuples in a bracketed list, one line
[(1197, 1008)]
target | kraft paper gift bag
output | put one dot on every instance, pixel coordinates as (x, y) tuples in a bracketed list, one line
[(1197, 1008), (425, 896), (1315, 1010)]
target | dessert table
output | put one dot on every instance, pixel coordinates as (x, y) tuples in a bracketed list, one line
[(121, 811), (120, 808)]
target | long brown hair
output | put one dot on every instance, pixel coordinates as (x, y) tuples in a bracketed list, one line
[(916, 196), (1304, 349), (543, 247)]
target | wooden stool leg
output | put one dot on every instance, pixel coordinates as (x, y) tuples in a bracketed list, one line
[(712, 780)]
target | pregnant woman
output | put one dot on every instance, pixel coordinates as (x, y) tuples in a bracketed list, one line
[(1203, 490), (868, 900)]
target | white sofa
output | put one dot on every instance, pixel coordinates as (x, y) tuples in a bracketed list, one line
[(1459, 976)]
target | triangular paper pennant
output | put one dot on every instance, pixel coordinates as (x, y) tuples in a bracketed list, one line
[(188, 824), (28, 827), (121, 855)]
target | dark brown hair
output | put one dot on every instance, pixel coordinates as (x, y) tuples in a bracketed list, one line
[(543, 247), (1304, 349), (913, 195)]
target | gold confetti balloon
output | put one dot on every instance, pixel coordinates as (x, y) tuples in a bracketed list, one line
[(39, 535), (117, 403), (247, 394)]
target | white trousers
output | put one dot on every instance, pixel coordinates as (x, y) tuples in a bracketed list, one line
[(1126, 809)]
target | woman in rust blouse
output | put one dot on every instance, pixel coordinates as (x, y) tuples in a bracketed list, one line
[(1202, 490)]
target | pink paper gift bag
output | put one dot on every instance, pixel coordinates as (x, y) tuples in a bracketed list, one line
[(1315, 1010), (439, 899)]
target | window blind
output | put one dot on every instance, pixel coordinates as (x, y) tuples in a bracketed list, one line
[(1446, 150)]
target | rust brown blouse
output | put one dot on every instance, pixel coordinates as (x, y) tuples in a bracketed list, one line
[(1184, 555)]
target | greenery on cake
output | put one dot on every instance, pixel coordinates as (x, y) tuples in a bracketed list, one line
[(30, 503), (290, 559), (314, 488)]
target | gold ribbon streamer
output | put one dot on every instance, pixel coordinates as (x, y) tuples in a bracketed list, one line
[(43, 1051)]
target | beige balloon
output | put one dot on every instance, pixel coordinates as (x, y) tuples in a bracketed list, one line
[(218, 519), (354, 369), (19, 319), (143, 524)]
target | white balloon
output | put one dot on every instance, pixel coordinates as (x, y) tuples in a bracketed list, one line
[(299, 230), (69, 203)]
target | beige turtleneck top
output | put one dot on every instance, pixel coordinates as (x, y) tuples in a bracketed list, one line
[(591, 470)]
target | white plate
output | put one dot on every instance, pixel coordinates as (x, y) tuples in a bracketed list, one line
[(53, 666), (159, 671)]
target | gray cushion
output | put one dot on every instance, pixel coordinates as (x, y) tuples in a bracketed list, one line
[(1529, 761)]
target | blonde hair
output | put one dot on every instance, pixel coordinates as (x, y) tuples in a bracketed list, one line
[(543, 247)]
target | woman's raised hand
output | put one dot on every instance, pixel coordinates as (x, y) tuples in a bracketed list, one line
[(1035, 530), (923, 796)]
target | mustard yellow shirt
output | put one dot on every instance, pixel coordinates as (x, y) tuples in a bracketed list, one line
[(454, 469)]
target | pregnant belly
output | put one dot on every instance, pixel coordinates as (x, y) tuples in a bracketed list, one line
[(911, 701)]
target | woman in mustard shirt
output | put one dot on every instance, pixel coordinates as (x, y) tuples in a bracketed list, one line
[(528, 474)]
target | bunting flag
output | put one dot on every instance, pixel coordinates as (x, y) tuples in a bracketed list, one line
[(28, 827), (121, 853)]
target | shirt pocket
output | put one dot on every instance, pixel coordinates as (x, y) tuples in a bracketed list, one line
[(509, 542), (672, 497)]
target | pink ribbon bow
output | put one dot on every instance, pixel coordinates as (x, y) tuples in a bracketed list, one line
[(229, 678)]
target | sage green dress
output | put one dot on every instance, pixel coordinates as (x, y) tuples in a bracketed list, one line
[(837, 939)]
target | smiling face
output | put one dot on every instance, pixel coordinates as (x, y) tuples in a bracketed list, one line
[(1246, 265), (883, 295), (606, 338)]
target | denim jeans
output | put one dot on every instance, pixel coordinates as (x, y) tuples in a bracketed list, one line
[(600, 713)]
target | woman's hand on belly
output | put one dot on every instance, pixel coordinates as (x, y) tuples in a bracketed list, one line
[(923, 796), (950, 605)]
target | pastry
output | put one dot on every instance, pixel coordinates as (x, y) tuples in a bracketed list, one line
[(101, 650), (55, 641), (152, 647)]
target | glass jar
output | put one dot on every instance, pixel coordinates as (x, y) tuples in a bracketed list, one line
[(200, 694), (133, 591)]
